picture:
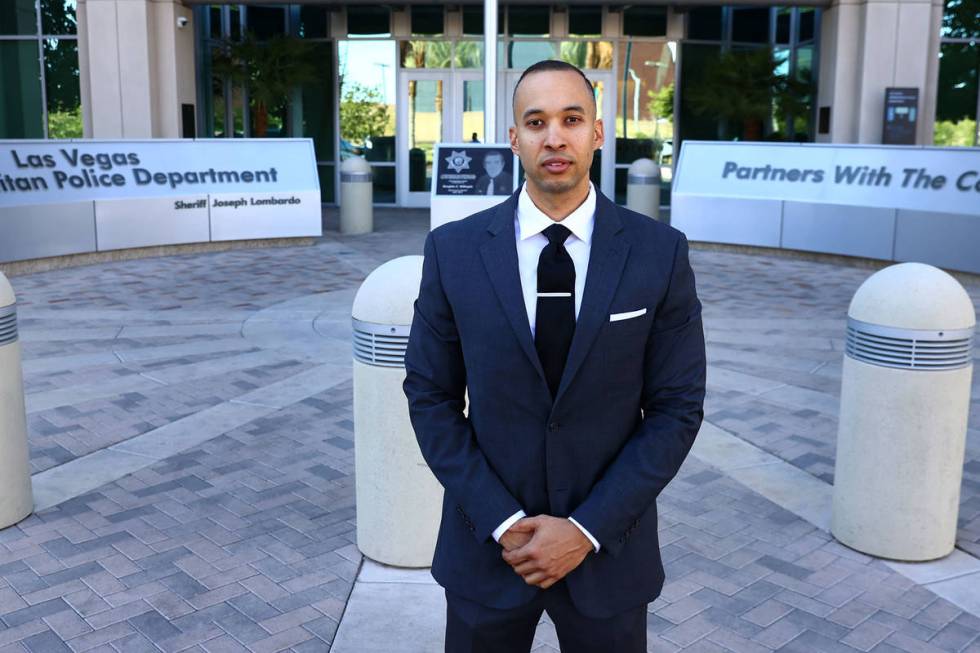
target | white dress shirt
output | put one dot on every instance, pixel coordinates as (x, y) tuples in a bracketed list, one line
[(529, 223)]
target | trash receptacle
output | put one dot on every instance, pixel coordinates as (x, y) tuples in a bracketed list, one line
[(16, 501), (905, 398), (356, 197), (399, 501), (643, 188)]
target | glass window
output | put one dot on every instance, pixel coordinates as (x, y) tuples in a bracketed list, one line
[(961, 19), (61, 85), (528, 20), (318, 106), (597, 55), (956, 104), (58, 17), (697, 60), (368, 21), (18, 17), (326, 175), (645, 21), (783, 16), (750, 24), (384, 184), (425, 54), (20, 102), (469, 54), (214, 20), (425, 102), (235, 20), (313, 21), (808, 19), (704, 23), (473, 20), (524, 53), (265, 22), (367, 99), (473, 109), (645, 97), (585, 20), (427, 19)]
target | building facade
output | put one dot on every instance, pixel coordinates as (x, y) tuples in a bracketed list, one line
[(387, 82)]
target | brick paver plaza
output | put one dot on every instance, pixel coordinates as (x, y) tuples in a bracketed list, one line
[(192, 444)]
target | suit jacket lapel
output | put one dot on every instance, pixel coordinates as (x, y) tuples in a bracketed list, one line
[(607, 259), (500, 258)]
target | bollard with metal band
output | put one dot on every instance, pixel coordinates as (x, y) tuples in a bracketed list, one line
[(356, 197), (16, 501), (399, 501), (643, 188), (905, 398)]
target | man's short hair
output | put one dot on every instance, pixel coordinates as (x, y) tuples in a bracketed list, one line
[(494, 153), (553, 64)]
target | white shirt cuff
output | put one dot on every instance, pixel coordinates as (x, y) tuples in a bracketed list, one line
[(595, 542), (510, 521)]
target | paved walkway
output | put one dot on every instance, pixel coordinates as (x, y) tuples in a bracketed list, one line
[(191, 438)]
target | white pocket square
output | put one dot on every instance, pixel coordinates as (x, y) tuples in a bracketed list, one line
[(615, 317)]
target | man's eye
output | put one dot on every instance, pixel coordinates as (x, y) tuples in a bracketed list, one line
[(533, 123), (574, 119)]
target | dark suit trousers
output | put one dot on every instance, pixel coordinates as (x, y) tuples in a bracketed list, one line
[(475, 628)]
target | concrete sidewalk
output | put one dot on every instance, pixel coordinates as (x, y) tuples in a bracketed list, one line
[(192, 443)]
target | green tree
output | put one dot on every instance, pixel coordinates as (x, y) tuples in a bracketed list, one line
[(961, 133), (268, 70), (745, 87), (661, 103), (363, 113)]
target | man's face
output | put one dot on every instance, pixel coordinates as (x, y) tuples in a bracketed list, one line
[(493, 164), (556, 131)]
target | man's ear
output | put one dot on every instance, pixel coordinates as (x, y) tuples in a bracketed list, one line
[(512, 132), (600, 134)]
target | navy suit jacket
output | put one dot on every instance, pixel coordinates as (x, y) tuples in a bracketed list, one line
[(625, 416)]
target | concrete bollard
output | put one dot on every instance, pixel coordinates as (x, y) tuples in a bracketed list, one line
[(643, 188), (399, 501), (905, 398), (16, 500), (356, 197)]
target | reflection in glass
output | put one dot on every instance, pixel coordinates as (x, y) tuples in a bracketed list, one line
[(425, 54), (469, 54), (265, 22), (587, 54), (640, 20), (20, 79), (238, 111), (313, 22), (473, 109), (368, 21), (326, 175), (58, 17), (522, 54), (645, 101), (235, 13), (961, 19), (18, 17), (367, 99), (956, 103), (585, 20), (318, 105), (424, 130), (750, 24), (62, 87), (217, 108), (528, 20), (384, 184), (427, 19)]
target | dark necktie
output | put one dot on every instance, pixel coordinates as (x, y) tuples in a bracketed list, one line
[(555, 317)]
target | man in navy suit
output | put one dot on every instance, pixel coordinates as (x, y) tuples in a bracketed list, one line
[(575, 327)]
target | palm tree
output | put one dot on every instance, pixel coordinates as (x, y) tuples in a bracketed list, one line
[(269, 71)]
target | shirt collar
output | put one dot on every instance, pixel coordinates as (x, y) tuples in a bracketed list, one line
[(532, 220)]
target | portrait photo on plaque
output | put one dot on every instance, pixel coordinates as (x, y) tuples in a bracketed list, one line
[(469, 169)]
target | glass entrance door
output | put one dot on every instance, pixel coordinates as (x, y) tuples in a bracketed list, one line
[(435, 106), (603, 171)]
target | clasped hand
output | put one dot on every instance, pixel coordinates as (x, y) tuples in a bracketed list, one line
[(544, 549)]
